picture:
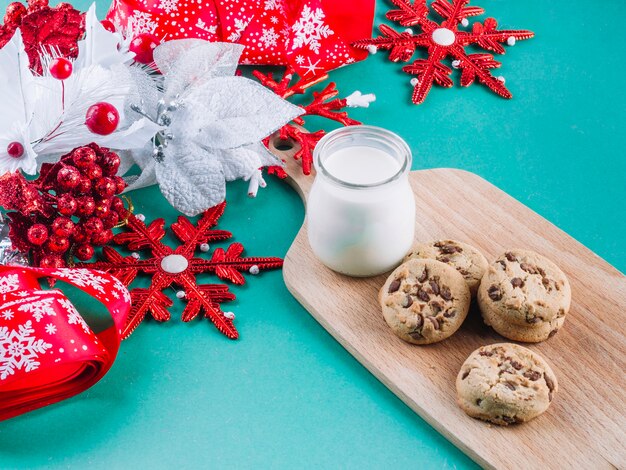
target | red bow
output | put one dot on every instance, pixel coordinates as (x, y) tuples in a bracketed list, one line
[(47, 351), (312, 36)]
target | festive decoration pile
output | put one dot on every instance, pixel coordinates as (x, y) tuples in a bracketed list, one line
[(442, 41), (324, 104), (179, 267), (310, 36), (47, 351)]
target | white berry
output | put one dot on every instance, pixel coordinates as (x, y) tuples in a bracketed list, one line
[(180, 294), (408, 30), (501, 78), (414, 81), (372, 49), (511, 41), (141, 217), (254, 270), (205, 247), (135, 255), (464, 22), (229, 315), (456, 63)]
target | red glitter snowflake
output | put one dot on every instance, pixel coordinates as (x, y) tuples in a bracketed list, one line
[(179, 267), (324, 104), (444, 40)]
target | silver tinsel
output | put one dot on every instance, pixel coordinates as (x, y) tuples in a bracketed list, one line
[(9, 255)]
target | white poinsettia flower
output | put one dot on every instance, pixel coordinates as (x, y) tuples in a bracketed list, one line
[(214, 124), (17, 137)]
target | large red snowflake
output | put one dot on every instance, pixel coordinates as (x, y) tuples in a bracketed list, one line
[(178, 267), (444, 40)]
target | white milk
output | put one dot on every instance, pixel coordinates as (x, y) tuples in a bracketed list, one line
[(361, 209)]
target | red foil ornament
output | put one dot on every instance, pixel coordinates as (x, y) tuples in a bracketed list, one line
[(102, 119), (61, 68), (48, 352), (143, 45)]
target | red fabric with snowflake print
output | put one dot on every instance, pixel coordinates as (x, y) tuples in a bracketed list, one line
[(47, 351), (312, 36)]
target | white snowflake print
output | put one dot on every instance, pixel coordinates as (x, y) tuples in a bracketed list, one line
[(300, 59), (9, 283), (268, 38), (272, 4), (311, 67), (203, 26), (274, 20), (39, 308), (168, 6), (240, 26), (8, 314), (19, 349), (83, 278), (142, 22), (51, 329), (310, 28), (120, 289), (73, 317)]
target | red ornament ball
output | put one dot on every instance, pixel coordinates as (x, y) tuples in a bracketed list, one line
[(110, 164), (51, 261), (84, 157), (105, 187), (58, 244), (94, 172), (66, 204), (61, 68), (84, 252), (110, 27), (37, 234), (86, 206), (118, 205), (102, 118), (68, 178), (111, 219), (93, 225), (102, 238), (14, 13), (120, 184), (15, 149), (63, 226), (143, 45), (79, 235), (84, 186), (103, 209)]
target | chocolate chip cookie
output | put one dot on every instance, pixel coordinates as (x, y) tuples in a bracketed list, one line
[(505, 384), (424, 301), (524, 296), (466, 259)]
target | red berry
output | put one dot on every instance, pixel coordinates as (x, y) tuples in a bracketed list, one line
[(103, 209), (105, 187), (66, 204), (143, 45), (110, 27), (86, 206), (62, 226), (111, 219), (93, 225), (84, 252), (94, 172), (102, 238), (15, 149), (14, 13), (51, 261), (118, 205), (84, 157), (79, 235), (110, 164), (61, 68), (84, 186), (37, 234), (102, 118), (58, 244), (120, 184), (68, 177)]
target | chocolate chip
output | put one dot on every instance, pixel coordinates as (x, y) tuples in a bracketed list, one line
[(532, 320), (463, 272), (423, 276), (435, 322), (435, 287), (516, 365), (450, 314), (450, 249), (553, 332), (443, 259), (509, 385), (510, 256), (509, 420), (408, 301), (394, 286), (436, 307), (478, 401), (529, 268), (545, 281), (445, 293), (517, 282), (549, 382), (416, 334), (541, 271), (550, 396), (494, 293), (502, 263), (420, 322), (485, 353), (423, 295), (465, 374), (532, 375)]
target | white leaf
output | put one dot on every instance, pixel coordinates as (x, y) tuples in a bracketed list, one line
[(134, 137), (242, 162), (230, 112)]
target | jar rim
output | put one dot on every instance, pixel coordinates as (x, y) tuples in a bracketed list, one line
[(380, 133)]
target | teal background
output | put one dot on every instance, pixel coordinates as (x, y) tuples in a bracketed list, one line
[(286, 394)]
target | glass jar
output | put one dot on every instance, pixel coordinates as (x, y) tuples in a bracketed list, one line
[(361, 208)]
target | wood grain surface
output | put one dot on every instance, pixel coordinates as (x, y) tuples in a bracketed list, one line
[(584, 427)]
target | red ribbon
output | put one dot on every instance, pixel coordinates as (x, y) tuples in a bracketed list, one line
[(312, 36), (47, 351)]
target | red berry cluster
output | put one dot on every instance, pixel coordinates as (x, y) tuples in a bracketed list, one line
[(72, 207)]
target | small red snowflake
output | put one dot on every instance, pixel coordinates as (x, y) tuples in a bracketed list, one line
[(324, 104), (442, 41), (179, 267)]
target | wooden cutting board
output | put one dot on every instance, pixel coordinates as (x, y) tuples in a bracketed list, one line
[(586, 424)]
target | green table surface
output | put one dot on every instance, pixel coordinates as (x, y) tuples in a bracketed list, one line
[(287, 395)]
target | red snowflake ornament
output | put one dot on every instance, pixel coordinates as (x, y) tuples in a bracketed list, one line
[(442, 41), (179, 267), (324, 104)]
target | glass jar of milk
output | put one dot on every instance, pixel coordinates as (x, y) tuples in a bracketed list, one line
[(361, 209)]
